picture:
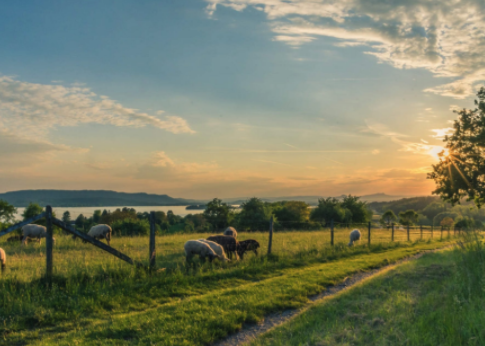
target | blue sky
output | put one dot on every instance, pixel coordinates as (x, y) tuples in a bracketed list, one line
[(225, 98)]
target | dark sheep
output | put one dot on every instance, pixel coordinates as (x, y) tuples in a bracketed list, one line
[(248, 245), (229, 244)]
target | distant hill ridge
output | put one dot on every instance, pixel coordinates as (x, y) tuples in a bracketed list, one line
[(90, 198)]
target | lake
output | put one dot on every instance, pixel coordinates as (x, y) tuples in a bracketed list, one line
[(89, 211)]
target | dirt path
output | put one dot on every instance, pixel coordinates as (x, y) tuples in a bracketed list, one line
[(250, 332)]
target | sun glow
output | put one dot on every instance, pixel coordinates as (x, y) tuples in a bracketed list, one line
[(436, 150)]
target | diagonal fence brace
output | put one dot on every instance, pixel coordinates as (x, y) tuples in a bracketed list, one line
[(95, 242), (22, 224)]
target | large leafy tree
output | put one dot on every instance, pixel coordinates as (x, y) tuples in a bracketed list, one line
[(254, 215), (388, 217), (328, 209), (217, 213), (408, 217), (7, 211), (460, 172)]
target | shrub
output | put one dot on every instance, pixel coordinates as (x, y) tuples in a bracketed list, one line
[(130, 227)]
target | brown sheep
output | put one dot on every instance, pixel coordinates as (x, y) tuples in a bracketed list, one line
[(229, 244), (248, 245)]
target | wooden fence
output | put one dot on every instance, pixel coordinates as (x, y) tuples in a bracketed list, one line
[(51, 221)]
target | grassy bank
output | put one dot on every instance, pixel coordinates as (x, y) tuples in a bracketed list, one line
[(435, 300), (112, 303)]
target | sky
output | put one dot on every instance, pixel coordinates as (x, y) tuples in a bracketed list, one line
[(234, 98)]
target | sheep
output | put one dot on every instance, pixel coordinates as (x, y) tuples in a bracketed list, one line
[(248, 245), (354, 236), (218, 249), (100, 232), (31, 231), (17, 238), (229, 244), (3, 259), (231, 231), (195, 247)]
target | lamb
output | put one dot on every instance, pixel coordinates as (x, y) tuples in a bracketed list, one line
[(195, 247), (248, 245), (3, 259), (229, 244), (31, 231), (218, 249), (231, 231), (354, 236), (100, 232)]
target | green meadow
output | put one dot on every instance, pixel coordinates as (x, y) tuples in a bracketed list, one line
[(95, 298)]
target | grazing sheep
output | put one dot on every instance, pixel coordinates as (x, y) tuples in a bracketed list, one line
[(32, 231), (354, 236), (248, 245), (17, 238), (100, 232), (231, 231), (229, 244), (218, 249), (3, 259), (195, 247)]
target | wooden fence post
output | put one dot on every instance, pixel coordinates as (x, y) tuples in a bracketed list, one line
[(48, 241), (152, 254), (368, 242), (432, 229), (421, 228), (448, 231), (331, 233), (392, 237), (270, 241), (408, 234), (441, 232)]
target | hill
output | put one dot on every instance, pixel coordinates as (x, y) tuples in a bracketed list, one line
[(89, 198), (313, 200)]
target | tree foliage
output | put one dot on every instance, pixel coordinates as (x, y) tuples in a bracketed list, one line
[(388, 217), (218, 214), (408, 218), (7, 211), (254, 215), (350, 210), (461, 173)]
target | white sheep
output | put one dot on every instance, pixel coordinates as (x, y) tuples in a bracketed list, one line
[(101, 232), (354, 236), (32, 231), (195, 247), (218, 249), (3, 259), (231, 231)]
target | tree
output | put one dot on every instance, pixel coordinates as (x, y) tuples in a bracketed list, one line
[(80, 220), (328, 209), (97, 216), (447, 222), (388, 217), (254, 215), (217, 213), (294, 213), (358, 210), (32, 210), (7, 211), (66, 217), (408, 218), (460, 171)]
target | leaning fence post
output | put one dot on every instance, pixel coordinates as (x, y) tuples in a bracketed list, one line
[(408, 233), (368, 242), (421, 228), (152, 254), (392, 237), (48, 241), (331, 232), (270, 241)]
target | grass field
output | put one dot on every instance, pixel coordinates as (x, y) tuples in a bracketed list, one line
[(435, 300), (98, 299)]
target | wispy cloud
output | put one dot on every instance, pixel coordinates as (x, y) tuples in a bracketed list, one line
[(30, 109), (444, 37), (441, 133)]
